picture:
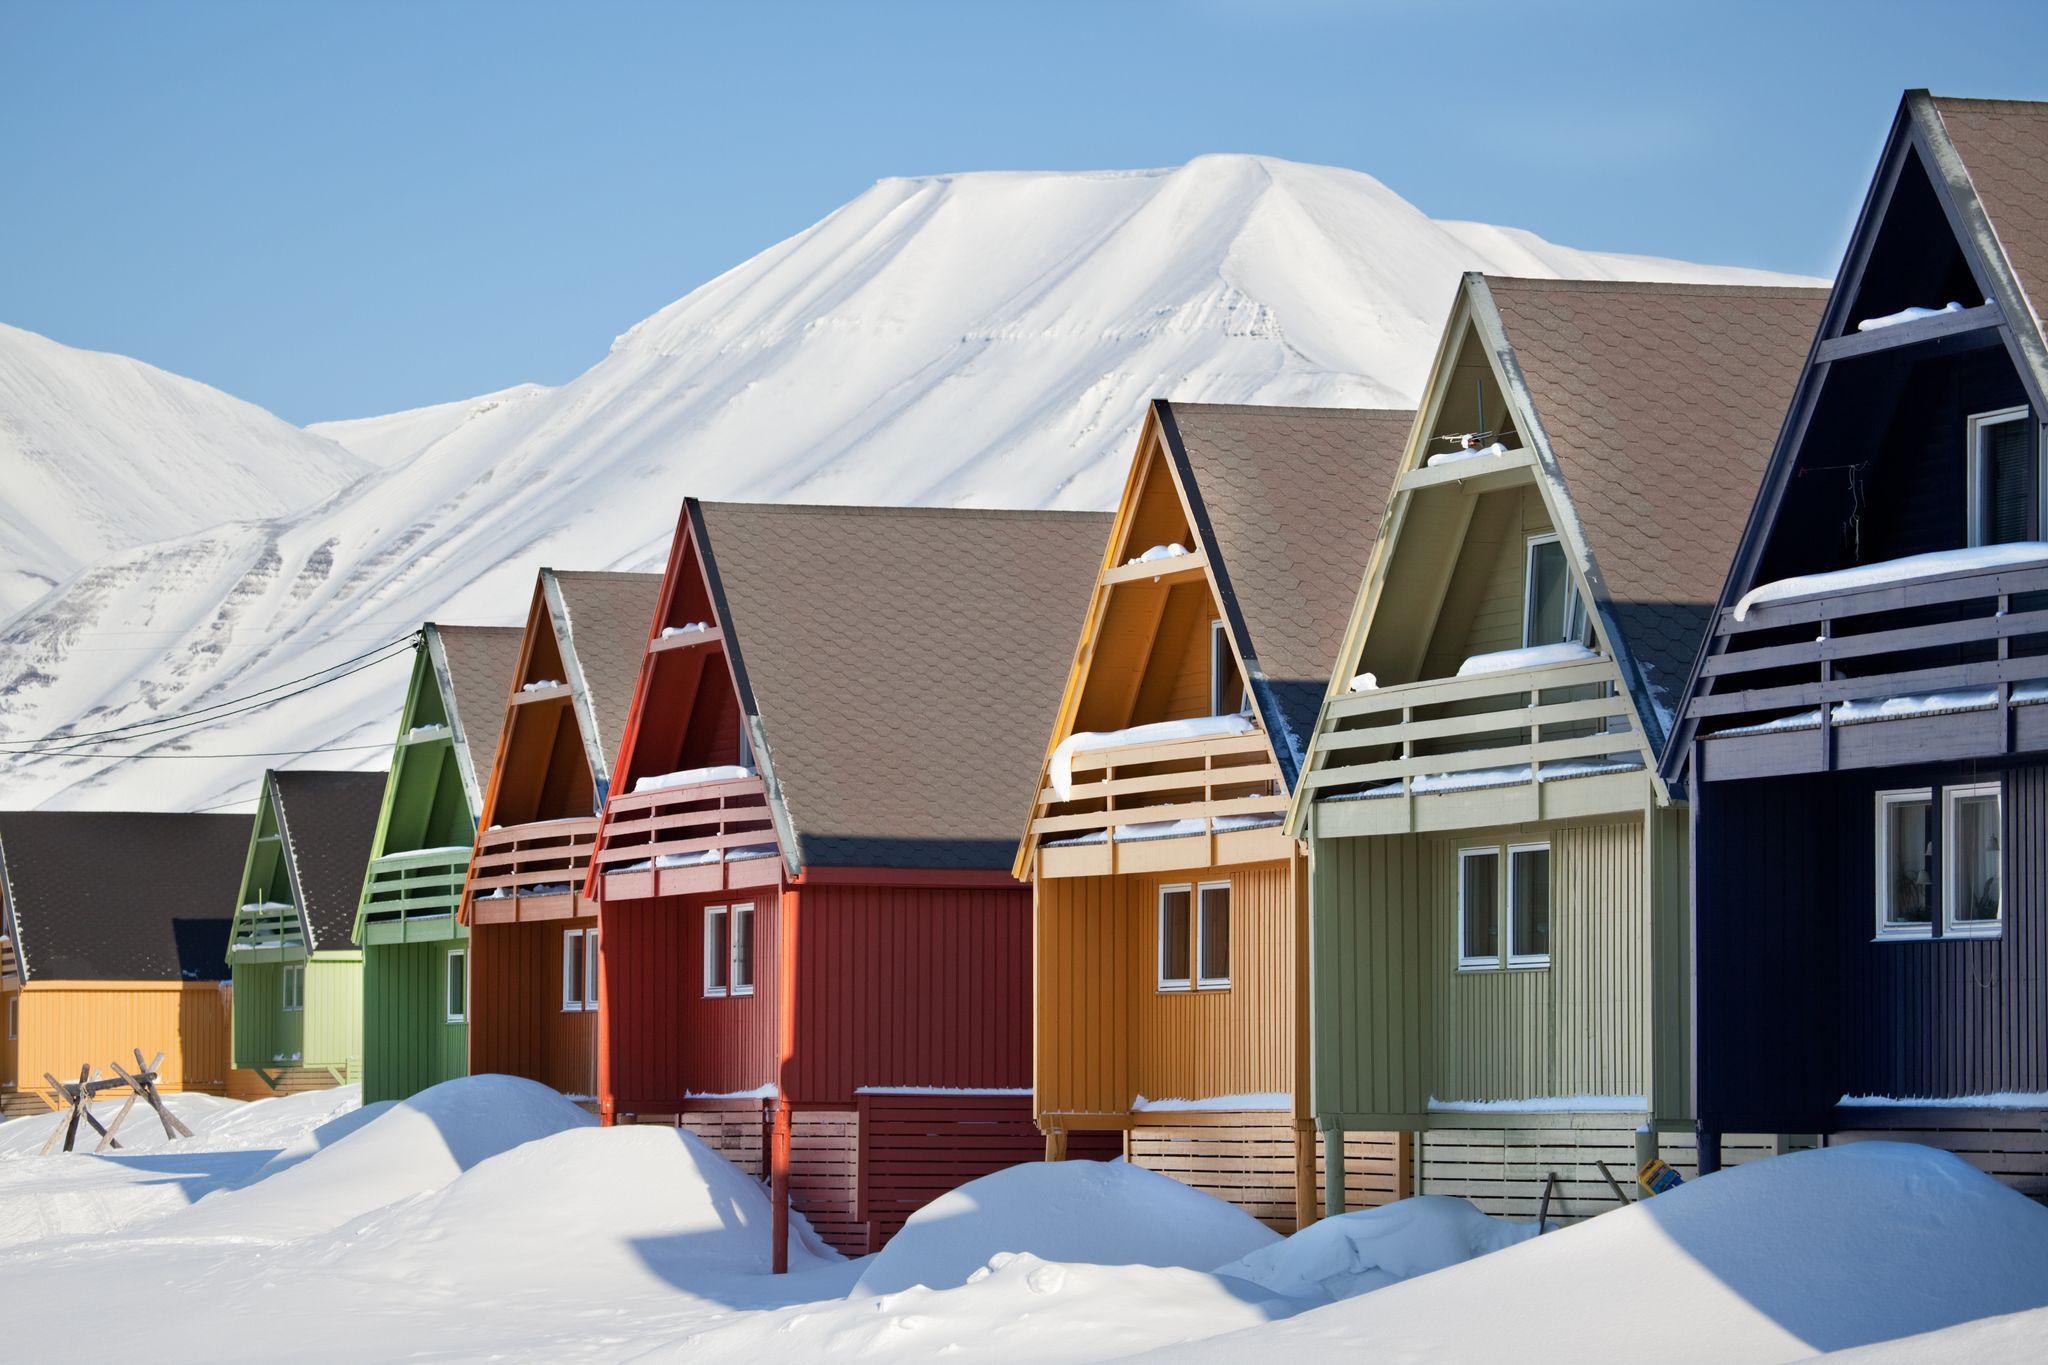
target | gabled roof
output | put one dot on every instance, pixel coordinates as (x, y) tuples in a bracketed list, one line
[(1654, 406), (327, 821), (1987, 162), (473, 665), (900, 665), (601, 621), (1284, 501), (117, 896)]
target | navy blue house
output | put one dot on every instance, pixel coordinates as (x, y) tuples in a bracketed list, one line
[(1864, 737)]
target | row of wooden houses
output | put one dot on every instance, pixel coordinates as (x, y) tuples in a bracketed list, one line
[(1645, 735)]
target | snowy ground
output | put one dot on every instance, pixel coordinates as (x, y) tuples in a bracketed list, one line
[(488, 1218)]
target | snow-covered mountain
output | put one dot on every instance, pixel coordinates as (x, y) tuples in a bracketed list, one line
[(985, 339), (101, 453)]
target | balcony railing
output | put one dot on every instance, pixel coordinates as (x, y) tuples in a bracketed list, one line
[(705, 836), (1524, 735), (1937, 667), (532, 871), (412, 897), (1167, 804)]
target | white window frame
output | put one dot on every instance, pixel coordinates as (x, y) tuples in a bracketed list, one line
[(14, 1017), (1889, 930), (716, 989), (1175, 984), (1973, 429), (1576, 626), (455, 1011), (591, 960), (1951, 927), (1507, 907), (294, 975), (1469, 961), (1207, 983), (573, 971), (1220, 657), (732, 970)]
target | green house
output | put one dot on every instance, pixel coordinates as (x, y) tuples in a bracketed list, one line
[(298, 974), (415, 952)]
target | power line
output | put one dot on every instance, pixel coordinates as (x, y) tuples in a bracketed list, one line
[(145, 753), (157, 726)]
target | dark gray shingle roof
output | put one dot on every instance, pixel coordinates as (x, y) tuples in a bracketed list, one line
[(329, 820)]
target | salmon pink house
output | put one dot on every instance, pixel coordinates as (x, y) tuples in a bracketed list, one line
[(813, 952)]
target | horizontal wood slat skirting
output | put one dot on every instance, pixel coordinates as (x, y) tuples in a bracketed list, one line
[(1503, 1170), (1249, 1161), (824, 1176), (2011, 1147)]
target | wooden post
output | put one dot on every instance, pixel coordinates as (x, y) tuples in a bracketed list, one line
[(1404, 1164), (1304, 1173), (1055, 1144), (1333, 1171), (778, 1186), (1710, 1149), (78, 1103)]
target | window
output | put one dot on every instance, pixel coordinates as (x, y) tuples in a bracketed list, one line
[(1212, 935), (590, 961), (745, 756), (1529, 905), (1175, 938), (13, 1017), (574, 972), (455, 985), (1226, 687), (1552, 612), (294, 986), (1478, 907), (2001, 477), (1974, 899), (728, 950), (1905, 864)]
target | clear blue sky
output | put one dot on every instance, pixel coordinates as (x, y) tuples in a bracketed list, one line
[(340, 210)]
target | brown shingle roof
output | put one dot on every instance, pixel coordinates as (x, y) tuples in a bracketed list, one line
[(905, 663), (481, 662), (606, 619), (1291, 498), (1661, 403), (115, 896), (2004, 146), (329, 821)]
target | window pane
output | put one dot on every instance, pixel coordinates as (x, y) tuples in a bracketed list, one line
[(1973, 861), (1909, 861), (590, 964), (1215, 935), (2008, 483), (1478, 905), (1529, 903), (1173, 936), (1550, 595), (1226, 695), (743, 947), (572, 970), (458, 991)]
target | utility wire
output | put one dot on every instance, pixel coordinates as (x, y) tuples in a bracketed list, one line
[(157, 726), (145, 753)]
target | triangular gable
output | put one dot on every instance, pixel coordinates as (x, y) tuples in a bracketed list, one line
[(13, 960), (268, 906), (1591, 350), (1924, 235), (548, 764)]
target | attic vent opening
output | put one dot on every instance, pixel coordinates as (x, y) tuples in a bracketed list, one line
[(1473, 417)]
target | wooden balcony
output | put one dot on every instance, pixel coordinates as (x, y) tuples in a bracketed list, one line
[(678, 841), (1186, 803), (532, 872), (1933, 669), (413, 897), (1545, 743), (268, 932)]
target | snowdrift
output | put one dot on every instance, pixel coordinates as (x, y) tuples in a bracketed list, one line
[(605, 1205), (1091, 1212), (1357, 1253), (1778, 1260), (1017, 1308), (414, 1147)]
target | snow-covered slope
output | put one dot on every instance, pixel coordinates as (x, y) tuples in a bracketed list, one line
[(984, 339), (99, 452)]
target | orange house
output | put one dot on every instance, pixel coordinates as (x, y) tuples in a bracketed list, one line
[(533, 933), (113, 937), (1171, 910)]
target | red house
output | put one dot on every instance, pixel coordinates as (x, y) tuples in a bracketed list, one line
[(532, 933), (812, 943)]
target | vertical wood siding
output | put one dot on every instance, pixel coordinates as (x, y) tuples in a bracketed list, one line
[(66, 1025), (408, 1042), (666, 1039), (266, 1034), (1083, 954), (333, 1017), (517, 1025), (1398, 1023), (910, 986)]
